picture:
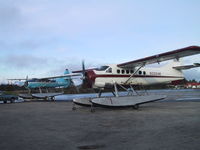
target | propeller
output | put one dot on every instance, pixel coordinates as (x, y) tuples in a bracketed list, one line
[(85, 79), (83, 69), (86, 76), (26, 81)]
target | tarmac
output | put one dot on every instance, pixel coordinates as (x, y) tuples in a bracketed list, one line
[(55, 126)]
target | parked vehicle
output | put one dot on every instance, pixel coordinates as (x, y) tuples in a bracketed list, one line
[(7, 97)]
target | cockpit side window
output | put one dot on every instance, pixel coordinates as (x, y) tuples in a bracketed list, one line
[(109, 70), (102, 68)]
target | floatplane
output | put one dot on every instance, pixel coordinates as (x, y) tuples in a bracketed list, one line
[(133, 73), (63, 81)]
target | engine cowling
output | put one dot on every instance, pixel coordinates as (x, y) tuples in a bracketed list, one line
[(89, 79)]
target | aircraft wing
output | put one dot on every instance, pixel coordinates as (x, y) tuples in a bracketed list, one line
[(187, 66), (54, 77), (175, 54), (17, 79), (81, 71), (62, 76)]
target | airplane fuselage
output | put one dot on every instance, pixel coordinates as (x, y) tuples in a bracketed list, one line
[(49, 83), (110, 74)]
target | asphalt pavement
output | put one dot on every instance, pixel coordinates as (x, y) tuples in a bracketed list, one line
[(55, 126)]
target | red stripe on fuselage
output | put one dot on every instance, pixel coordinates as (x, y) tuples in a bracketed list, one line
[(91, 76), (137, 76)]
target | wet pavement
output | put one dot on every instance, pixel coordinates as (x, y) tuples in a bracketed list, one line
[(170, 124)]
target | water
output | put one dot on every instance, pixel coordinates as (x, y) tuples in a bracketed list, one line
[(70, 97), (172, 95)]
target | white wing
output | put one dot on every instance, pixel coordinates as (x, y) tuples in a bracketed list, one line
[(53, 77), (175, 54), (62, 76)]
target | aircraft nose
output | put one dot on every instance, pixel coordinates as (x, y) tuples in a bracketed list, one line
[(89, 79)]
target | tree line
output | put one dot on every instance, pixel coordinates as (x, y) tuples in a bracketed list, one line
[(79, 89)]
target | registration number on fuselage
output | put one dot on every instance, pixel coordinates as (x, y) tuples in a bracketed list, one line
[(155, 73)]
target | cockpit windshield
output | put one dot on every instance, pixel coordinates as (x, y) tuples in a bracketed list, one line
[(102, 68)]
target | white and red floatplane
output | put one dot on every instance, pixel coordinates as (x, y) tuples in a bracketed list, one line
[(136, 73)]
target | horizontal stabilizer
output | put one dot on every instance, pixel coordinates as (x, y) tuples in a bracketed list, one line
[(187, 66)]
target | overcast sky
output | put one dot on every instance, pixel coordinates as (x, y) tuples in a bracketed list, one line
[(43, 37)]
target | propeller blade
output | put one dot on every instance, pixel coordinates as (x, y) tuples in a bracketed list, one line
[(84, 84), (26, 82), (83, 65), (85, 79), (83, 68)]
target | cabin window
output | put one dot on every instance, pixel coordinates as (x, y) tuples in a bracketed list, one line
[(140, 72), (144, 72), (127, 71), (131, 71), (122, 71), (118, 71), (109, 70)]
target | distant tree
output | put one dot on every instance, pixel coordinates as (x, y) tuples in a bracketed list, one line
[(10, 87), (193, 80)]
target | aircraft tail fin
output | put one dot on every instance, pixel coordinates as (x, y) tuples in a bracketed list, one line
[(66, 71), (64, 81)]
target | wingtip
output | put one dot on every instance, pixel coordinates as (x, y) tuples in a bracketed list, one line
[(193, 46)]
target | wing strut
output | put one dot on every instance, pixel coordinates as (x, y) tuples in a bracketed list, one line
[(134, 73)]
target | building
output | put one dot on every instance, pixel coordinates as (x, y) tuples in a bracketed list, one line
[(192, 85)]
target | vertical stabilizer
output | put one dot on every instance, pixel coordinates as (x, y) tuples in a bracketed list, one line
[(66, 71), (64, 81)]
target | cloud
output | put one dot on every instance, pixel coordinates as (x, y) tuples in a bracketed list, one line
[(192, 74), (10, 15), (39, 66), (195, 72), (23, 62), (48, 35), (36, 24), (63, 17)]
